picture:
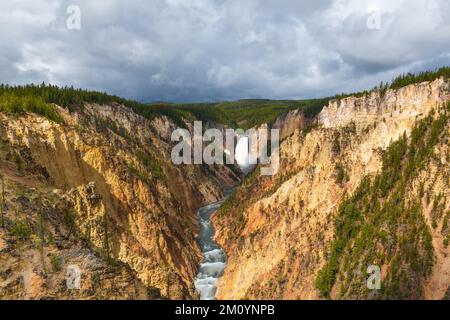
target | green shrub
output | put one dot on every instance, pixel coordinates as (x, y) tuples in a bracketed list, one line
[(21, 230), (153, 293), (341, 175), (56, 262), (18, 104)]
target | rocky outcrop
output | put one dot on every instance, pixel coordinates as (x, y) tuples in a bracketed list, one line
[(401, 104), (290, 122)]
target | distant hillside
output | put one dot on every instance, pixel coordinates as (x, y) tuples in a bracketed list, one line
[(248, 113)]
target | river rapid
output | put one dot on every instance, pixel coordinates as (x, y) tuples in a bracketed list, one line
[(214, 258)]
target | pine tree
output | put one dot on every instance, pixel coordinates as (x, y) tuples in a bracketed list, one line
[(106, 240), (2, 200), (42, 239), (168, 282)]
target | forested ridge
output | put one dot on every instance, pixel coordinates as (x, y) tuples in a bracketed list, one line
[(245, 113), (403, 80), (41, 98)]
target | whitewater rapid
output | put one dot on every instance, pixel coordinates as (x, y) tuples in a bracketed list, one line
[(214, 258)]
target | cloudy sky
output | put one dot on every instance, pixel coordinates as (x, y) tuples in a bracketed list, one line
[(203, 50)]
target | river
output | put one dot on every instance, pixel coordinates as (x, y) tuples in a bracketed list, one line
[(214, 258)]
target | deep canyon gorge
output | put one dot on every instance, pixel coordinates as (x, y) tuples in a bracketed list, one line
[(98, 189)]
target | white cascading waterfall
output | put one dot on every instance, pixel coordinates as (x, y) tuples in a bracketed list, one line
[(242, 155)]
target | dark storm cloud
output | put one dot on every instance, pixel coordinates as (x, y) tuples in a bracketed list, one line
[(197, 50)]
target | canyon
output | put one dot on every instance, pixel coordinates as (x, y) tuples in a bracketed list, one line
[(99, 190)]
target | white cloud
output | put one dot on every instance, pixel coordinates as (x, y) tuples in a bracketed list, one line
[(218, 49)]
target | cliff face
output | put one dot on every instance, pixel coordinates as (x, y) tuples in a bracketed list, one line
[(400, 105), (290, 122), (277, 231), (126, 202)]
